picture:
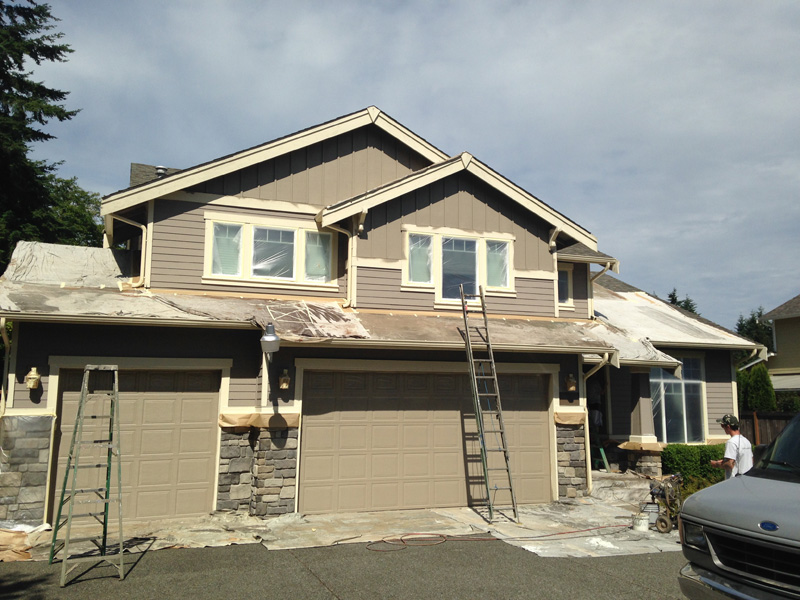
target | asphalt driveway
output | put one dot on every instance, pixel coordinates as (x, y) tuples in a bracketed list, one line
[(456, 569)]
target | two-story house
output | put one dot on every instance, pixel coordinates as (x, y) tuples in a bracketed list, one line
[(784, 365), (351, 238)]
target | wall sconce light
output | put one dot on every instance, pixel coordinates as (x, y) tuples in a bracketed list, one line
[(284, 380), (32, 379), (270, 342), (572, 384)]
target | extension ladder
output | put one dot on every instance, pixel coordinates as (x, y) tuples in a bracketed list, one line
[(486, 402), (90, 459)]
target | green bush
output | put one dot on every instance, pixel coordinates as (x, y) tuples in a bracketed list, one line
[(742, 380), (788, 401), (692, 462), (760, 395)]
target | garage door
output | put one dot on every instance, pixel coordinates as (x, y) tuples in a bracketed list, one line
[(386, 441), (168, 422)]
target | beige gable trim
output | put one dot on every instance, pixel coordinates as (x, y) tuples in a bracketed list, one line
[(464, 162), (195, 175)]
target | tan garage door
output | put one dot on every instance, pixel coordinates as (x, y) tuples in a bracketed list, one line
[(168, 422), (385, 441)]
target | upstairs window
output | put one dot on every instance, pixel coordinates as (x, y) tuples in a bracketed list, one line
[(420, 258), (459, 267), (227, 254), (255, 254), (565, 296), (442, 263)]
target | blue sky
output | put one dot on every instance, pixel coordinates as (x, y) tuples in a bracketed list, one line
[(670, 130)]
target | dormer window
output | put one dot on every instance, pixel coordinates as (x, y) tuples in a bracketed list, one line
[(441, 262), (247, 253)]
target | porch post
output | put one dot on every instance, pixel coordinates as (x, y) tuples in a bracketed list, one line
[(642, 427)]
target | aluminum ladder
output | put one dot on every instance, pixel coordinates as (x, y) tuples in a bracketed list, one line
[(486, 402), (91, 459)]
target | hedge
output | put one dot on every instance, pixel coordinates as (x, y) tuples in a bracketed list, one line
[(692, 462)]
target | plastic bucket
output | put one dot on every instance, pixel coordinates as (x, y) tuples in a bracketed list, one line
[(641, 522)]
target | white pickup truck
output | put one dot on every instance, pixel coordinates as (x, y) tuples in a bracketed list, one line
[(742, 536)]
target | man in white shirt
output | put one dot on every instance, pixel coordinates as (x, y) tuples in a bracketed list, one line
[(738, 456)]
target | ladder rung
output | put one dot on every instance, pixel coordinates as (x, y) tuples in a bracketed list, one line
[(88, 490), (497, 449), (490, 412), (96, 501), (89, 466), (97, 416), (497, 469), (88, 514), (89, 442), (485, 394), (88, 538)]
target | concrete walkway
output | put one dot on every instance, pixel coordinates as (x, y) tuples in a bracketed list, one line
[(594, 526)]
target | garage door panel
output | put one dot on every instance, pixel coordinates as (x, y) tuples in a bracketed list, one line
[(385, 466), (416, 494), (416, 436), (353, 437), (416, 465), (353, 497), (354, 384), (385, 382), (168, 438), (319, 468), (352, 467), (193, 470), (385, 437), (321, 437), (384, 495)]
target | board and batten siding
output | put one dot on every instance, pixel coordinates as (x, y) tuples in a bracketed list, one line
[(380, 288), (323, 173), (580, 292), (458, 202), (241, 346), (719, 388), (179, 245)]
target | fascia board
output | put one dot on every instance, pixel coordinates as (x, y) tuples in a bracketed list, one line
[(706, 345), (144, 322), (530, 202), (429, 345), (409, 183), (420, 145)]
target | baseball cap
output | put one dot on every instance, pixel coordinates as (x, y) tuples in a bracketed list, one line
[(729, 420)]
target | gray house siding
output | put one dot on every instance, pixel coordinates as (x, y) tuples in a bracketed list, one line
[(380, 288), (719, 389), (178, 249), (580, 290), (323, 173), (99, 341)]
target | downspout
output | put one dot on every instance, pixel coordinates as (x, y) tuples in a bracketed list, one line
[(7, 346), (348, 302), (606, 268), (139, 283), (596, 368)]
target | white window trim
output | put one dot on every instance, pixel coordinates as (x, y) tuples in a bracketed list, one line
[(435, 287), (247, 279), (570, 303)]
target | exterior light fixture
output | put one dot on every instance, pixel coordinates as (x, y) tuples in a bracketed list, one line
[(572, 384), (284, 380), (32, 379), (270, 342)]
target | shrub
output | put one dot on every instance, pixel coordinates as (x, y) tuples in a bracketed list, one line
[(692, 462), (760, 394), (788, 401), (742, 379)]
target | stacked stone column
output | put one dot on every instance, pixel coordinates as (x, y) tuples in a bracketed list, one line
[(571, 449)]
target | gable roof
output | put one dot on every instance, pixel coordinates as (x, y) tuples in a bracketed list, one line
[(185, 178), (787, 310), (463, 162)]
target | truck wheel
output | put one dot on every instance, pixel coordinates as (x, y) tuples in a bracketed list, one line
[(663, 524)]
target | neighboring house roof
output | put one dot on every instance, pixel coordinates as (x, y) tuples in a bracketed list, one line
[(661, 323), (185, 178), (787, 310), (463, 162), (40, 285)]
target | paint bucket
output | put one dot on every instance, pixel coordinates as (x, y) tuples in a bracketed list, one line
[(641, 522)]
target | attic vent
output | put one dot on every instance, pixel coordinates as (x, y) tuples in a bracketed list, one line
[(161, 171)]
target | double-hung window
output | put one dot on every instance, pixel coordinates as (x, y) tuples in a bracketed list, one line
[(442, 263), (257, 254), (565, 294), (678, 403)]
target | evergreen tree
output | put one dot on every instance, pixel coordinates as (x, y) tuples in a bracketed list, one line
[(760, 395), (755, 329), (686, 304), (32, 198)]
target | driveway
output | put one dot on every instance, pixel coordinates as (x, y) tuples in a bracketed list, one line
[(457, 569)]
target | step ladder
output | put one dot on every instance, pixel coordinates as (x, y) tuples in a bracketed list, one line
[(93, 462), (486, 401)]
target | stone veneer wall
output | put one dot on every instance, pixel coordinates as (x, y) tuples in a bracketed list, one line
[(645, 463), (571, 453), (23, 470), (257, 471)]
